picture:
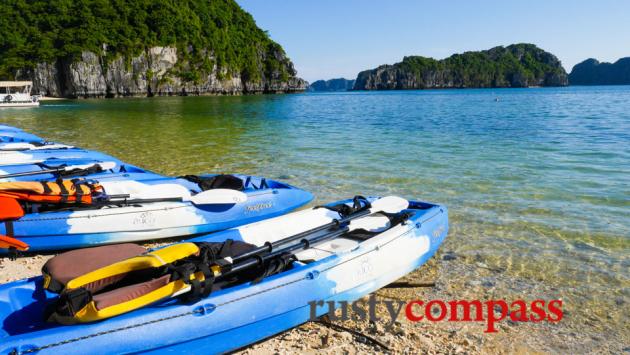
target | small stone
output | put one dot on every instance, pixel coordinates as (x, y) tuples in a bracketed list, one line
[(619, 301), (362, 340), (487, 284), (325, 340), (482, 265), (449, 257), (399, 331)]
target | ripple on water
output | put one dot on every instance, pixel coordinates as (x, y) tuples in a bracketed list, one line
[(537, 186)]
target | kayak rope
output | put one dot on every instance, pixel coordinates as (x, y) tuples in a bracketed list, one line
[(74, 340)]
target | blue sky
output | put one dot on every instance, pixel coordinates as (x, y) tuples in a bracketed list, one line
[(338, 38)]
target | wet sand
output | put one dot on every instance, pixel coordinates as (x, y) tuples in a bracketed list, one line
[(455, 277)]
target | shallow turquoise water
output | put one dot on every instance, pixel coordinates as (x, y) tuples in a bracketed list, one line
[(537, 180)]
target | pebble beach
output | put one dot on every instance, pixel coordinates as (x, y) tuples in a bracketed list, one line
[(441, 278)]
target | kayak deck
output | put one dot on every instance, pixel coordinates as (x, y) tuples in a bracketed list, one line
[(340, 269)]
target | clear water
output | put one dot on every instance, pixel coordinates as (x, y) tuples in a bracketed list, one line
[(537, 180)]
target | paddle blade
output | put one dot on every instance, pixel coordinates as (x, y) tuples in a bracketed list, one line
[(10, 209), (16, 146), (389, 204), (8, 243), (219, 197), (106, 165)]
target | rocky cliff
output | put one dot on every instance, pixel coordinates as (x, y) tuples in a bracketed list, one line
[(517, 65), (592, 72), (108, 48), (340, 84), (156, 71)]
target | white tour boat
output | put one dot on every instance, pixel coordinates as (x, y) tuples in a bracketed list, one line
[(17, 94)]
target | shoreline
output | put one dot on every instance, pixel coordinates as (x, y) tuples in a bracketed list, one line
[(451, 276)]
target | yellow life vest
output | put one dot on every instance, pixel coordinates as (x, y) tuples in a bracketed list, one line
[(140, 280)]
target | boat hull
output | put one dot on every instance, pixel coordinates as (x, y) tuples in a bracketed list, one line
[(58, 230), (235, 317), (120, 171), (37, 156), (20, 104)]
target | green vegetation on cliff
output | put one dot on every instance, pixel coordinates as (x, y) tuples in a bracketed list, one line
[(517, 65), (38, 31)]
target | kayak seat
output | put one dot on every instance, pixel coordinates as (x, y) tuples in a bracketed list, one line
[(129, 293), (65, 267), (113, 286), (221, 181)]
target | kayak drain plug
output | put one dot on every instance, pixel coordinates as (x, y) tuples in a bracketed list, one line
[(205, 309)]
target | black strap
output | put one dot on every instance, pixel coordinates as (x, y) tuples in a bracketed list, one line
[(71, 302), (47, 189), (221, 181), (263, 184), (359, 203), (397, 218), (275, 265), (8, 226)]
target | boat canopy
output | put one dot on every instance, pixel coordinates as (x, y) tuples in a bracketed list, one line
[(16, 84), (13, 84)]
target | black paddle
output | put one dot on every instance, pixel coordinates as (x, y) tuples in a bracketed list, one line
[(69, 168), (390, 204)]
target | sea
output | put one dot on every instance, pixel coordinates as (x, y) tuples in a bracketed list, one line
[(537, 180)]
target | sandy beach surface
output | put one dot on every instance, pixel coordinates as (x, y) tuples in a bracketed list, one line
[(451, 276)]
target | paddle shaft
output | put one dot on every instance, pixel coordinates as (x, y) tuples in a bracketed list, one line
[(269, 247), (124, 200), (303, 244), (40, 172)]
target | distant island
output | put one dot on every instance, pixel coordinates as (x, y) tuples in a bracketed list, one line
[(340, 84), (517, 65), (109, 48), (592, 72)]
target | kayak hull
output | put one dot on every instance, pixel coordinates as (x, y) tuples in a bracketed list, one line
[(151, 221), (232, 318), (17, 136), (120, 171), (41, 155)]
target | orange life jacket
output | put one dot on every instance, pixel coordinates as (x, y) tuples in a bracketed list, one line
[(61, 191)]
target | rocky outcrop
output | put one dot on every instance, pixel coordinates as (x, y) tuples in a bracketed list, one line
[(340, 84), (518, 65), (592, 72), (155, 71)]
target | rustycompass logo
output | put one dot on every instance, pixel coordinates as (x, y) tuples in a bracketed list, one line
[(490, 312)]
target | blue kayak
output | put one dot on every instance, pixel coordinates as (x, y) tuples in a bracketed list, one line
[(10, 136), (41, 155), (342, 269), (4, 127), (165, 214), (70, 168)]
